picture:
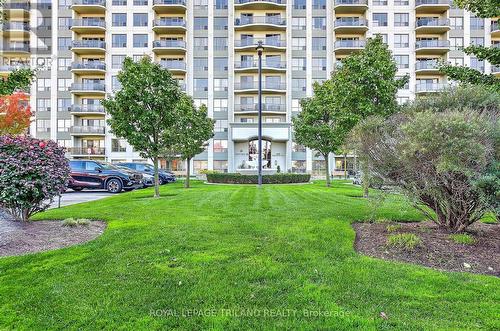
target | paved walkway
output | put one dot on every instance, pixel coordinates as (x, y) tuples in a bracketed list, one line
[(71, 197)]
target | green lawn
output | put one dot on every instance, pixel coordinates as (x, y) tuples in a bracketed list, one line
[(231, 252)]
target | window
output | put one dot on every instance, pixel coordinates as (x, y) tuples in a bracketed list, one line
[(220, 84), (220, 23), (201, 23), (457, 23), (403, 100), (221, 126), (63, 63), (476, 64), (318, 44), (118, 145), (380, 2), (298, 84), (319, 23), (220, 64), (140, 2), (63, 43), (200, 84), (119, 40), (65, 4), (299, 44), (402, 61), (117, 61), (476, 23), (119, 2), (319, 4), (319, 64), (199, 102), (63, 104), (200, 64), (477, 41), (63, 125), (379, 19), (299, 166), (42, 125), (64, 23), (401, 41), (200, 4), (220, 4), (220, 43), (296, 105), (220, 146), (220, 165), (200, 44), (42, 104), (457, 61), (140, 40), (199, 166), (298, 23), (220, 105), (140, 19), (299, 63), (119, 19), (44, 23), (299, 4), (401, 2), (115, 84), (63, 84), (64, 143), (401, 19), (456, 43)]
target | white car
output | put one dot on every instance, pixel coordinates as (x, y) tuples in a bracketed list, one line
[(147, 180)]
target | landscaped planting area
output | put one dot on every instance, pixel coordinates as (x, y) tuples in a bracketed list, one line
[(236, 257)]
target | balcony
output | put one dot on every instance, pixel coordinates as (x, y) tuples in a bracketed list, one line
[(81, 110), (273, 131), (87, 151), (267, 43), (432, 25), (259, 4), (350, 25), (495, 70), (432, 6), (267, 66), (426, 66), (174, 66), (23, 7), (15, 29), (15, 48), (86, 25), (88, 47), (348, 46), (430, 87), (262, 22), (253, 87), (350, 6), (169, 6), (169, 46), (432, 46), (83, 130), (89, 67), (495, 29), (6, 69), (254, 108), (167, 25), (88, 88), (89, 6)]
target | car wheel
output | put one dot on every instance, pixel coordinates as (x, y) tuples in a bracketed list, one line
[(114, 186), (78, 189)]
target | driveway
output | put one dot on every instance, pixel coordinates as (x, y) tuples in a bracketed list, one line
[(71, 197)]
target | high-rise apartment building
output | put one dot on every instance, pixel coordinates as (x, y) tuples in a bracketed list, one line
[(209, 45)]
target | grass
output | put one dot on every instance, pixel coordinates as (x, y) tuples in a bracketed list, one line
[(236, 258), (75, 222), (406, 241), (462, 238), (393, 227)]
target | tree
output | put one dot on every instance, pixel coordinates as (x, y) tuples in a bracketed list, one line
[(32, 173), (482, 8), (196, 128), (18, 80), (15, 113), (144, 110)]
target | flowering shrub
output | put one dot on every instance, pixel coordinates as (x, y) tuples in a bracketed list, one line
[(32, 173)]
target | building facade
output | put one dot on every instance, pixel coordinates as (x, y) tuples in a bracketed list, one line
[(209, 45)]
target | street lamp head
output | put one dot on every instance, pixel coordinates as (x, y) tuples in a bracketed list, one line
[(259, 48)]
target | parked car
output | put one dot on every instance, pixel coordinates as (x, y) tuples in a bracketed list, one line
[(148, 180), (145, 168), (90, 174), (357, 179)]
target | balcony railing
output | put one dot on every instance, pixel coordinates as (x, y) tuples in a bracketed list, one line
[(265, 64), (95, 65), (15, 48), (350, 44), (255, 85), (87, 150), (171, 22), (20, 26), (100, 23), (87, 129), (169, 44), (432, 44), (97, 87), (5, 68), (430, 87), (16, 6), (340, 22), (243, 2), (265, 42), (351, 2), (173, 65), (495, 26), (432, 22), (86, 109), (272, 20), (89, 3), (431, 2), (88, 44), (426, 65), (169, 2), (265, 107)]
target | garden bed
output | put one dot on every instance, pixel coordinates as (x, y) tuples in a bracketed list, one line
[(236, 178), (18, 238), (437, 249)]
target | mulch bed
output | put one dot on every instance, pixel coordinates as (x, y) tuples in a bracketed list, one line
[(438, 250), (18, 238)]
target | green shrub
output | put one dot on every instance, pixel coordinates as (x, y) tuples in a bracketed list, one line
[(74, 222), (462, 238), (235, 178), (406, 241), (393, 227)]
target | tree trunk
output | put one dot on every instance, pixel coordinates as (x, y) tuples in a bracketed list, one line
[(157, 178), (365, 180), (327, 170), (345, 166), (188, 170)]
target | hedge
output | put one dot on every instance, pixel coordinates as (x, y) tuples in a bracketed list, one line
[(236, 178)]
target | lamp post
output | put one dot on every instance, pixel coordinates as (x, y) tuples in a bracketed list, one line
[(260, 48)]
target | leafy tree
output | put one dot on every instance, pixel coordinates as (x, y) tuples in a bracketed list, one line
[(15, 113), (18, 80), (196, 128), (482, 8), (32, 173), (144, 111)]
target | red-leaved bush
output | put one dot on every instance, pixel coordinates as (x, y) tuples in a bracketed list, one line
[(32, 173), (15, 113)]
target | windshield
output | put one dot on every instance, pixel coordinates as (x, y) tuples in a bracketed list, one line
[(108, 166), (149, 167)]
